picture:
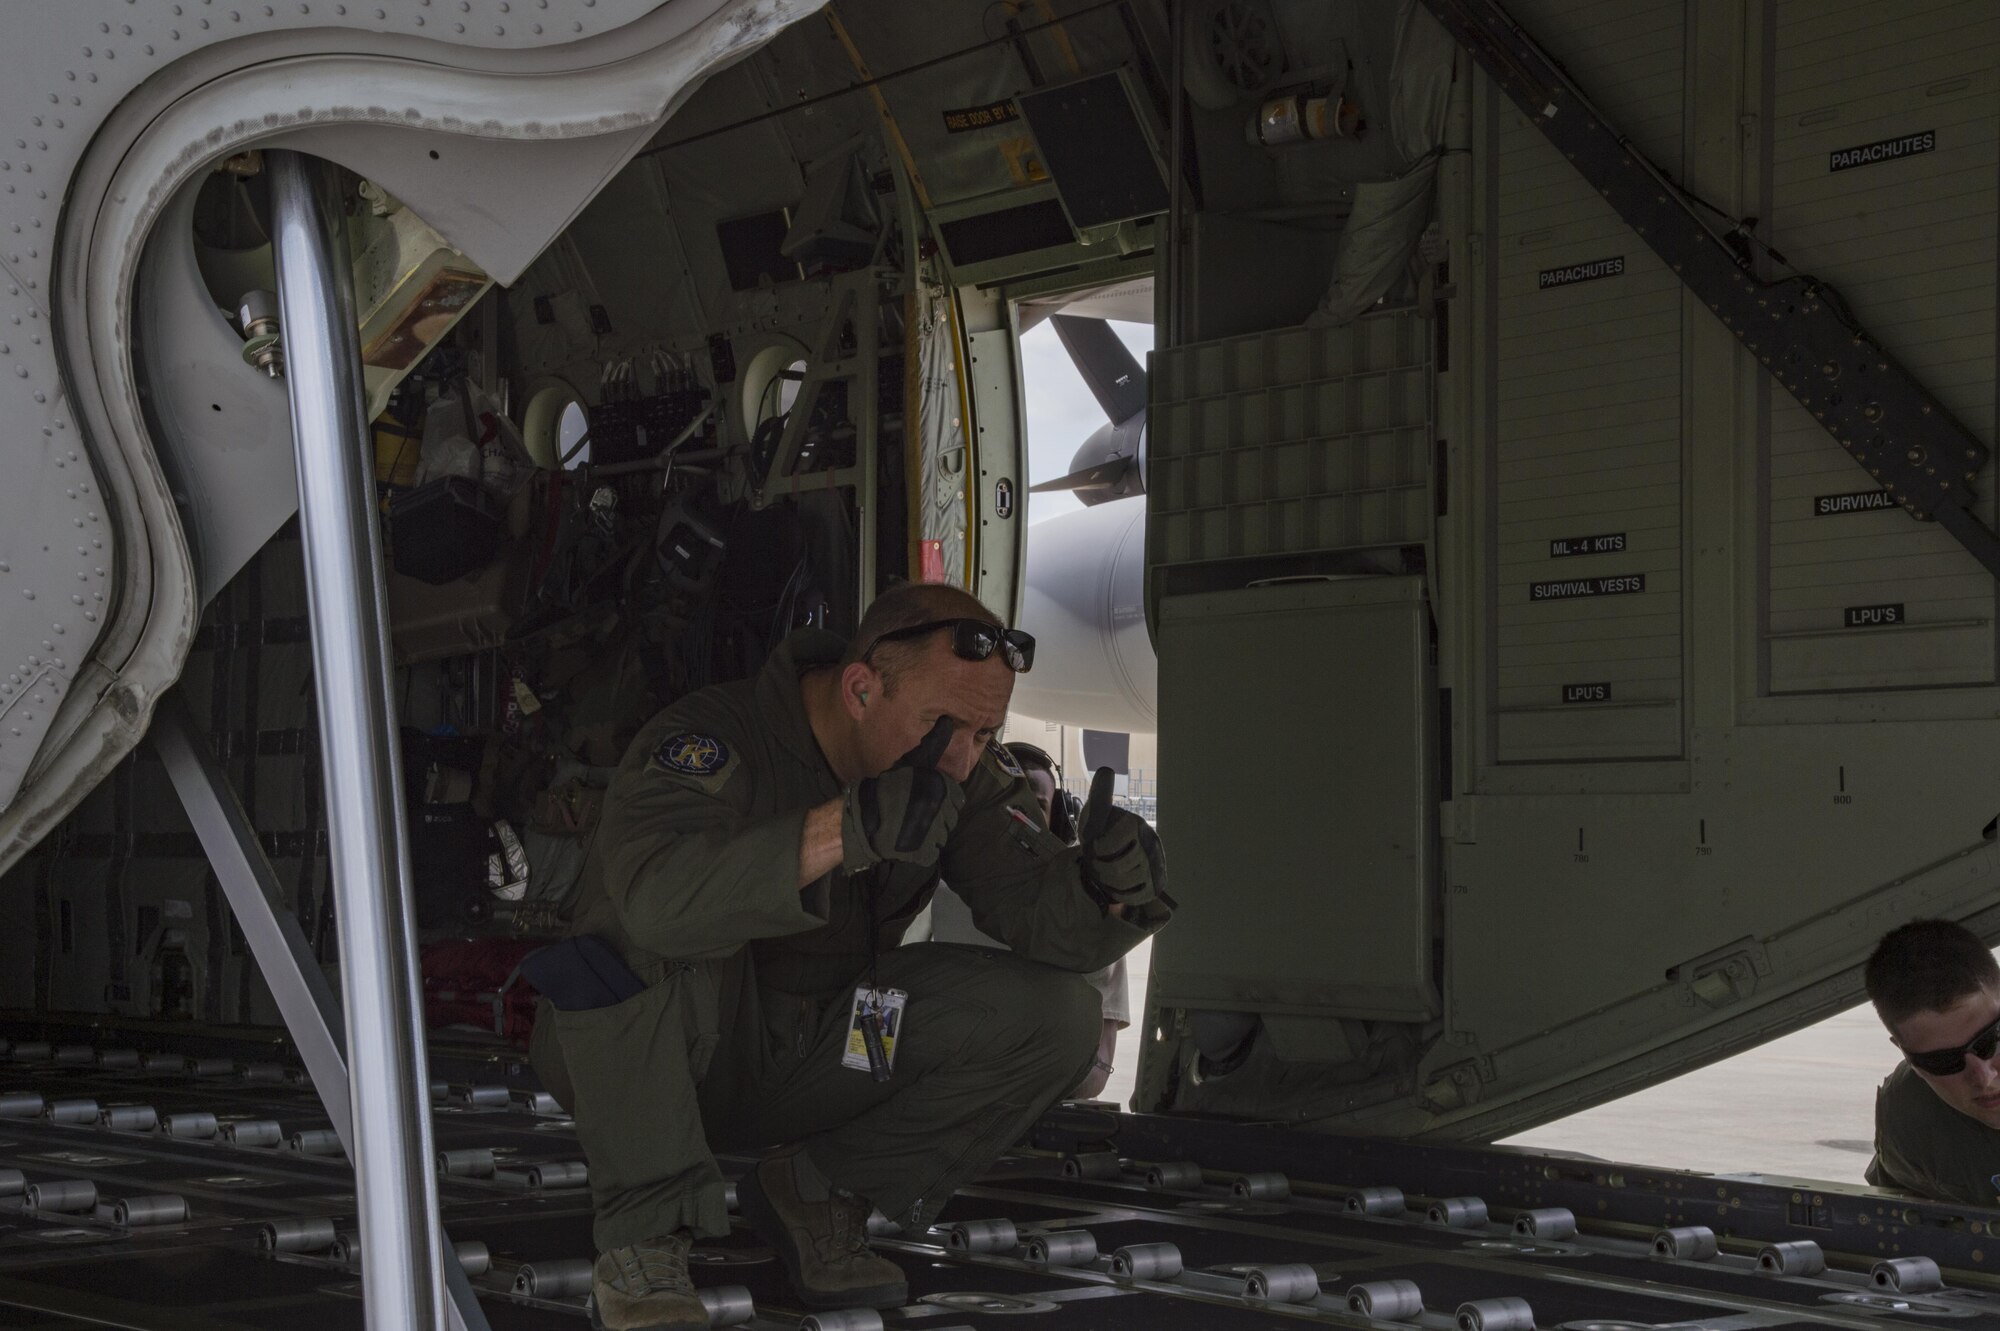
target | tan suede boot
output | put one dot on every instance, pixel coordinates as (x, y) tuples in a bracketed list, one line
[(820, 1235), (645, 1285)]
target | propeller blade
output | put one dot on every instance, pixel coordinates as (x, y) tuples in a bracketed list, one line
[(1114, 376), (1102, 476)]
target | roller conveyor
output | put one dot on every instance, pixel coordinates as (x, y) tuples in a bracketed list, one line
[(1101, 1221)]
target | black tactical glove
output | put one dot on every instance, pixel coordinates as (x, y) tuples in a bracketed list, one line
[(1123, 864), (907, 813)]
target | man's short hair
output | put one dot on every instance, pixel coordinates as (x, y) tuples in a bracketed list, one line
[(1926, 966), (905, 606)]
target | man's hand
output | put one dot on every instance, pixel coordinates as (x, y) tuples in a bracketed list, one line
[(1123, 866), (907, 813)]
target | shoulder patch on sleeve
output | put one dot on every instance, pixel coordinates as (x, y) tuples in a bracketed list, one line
[(1004, 760), (704, 758)]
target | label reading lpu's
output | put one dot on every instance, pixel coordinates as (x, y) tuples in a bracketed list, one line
[(1609, 543), (1860, 501), (1623, 585), (1586, 693), (1582, 272), (1888, 150), (1874, 616)]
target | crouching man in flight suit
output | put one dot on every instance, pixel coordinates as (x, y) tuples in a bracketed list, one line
[(761, 850)]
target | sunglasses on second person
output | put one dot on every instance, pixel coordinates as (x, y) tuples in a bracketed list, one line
[(1950, 1062), (971, 640)]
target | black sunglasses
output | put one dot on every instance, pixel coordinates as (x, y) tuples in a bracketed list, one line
[(971, 640), (1950, 1062)]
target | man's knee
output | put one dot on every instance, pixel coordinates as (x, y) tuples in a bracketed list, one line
[(1057, 1012)]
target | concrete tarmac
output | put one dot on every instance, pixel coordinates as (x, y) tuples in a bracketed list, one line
[(1802, 1106)]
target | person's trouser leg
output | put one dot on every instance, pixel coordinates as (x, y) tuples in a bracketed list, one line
[(632, 1071), (989, 1040)]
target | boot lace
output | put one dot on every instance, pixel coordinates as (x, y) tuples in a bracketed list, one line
[(847, 1238), (658, 1266)]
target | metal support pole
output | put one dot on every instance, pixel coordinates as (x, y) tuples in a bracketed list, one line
[(1175, 274), (401, 1272), (305, 1000)]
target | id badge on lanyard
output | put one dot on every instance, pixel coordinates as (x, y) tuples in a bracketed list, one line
[(873, 1026)]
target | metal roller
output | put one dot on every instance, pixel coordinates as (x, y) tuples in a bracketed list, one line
[(982, 1236), (474, 1257), (75, 1056), (727, 1305), (313, 1234), (12, 1183), (1068, 1247), (847, 1319), (1506, 1314), (1387, 1300), (1694, 1243), (166, 1209), (879, 1225), (1907, 1275), (1377, 1201), (1294, 1282), (1179, 1174), (210, 1067), (486, 1097), (537, 1102), (553, 1280), (1093, 1164), (20, 1104), (466, 1164), (346, 1249), (164, 1063), (70, 1194), (263, 1073), (559, 1174), (1147, 1261), (1545, 1223), (316, 1141), (72, 1111), (1458, 1212), (195, 1127), (258, 1132), (32, 1051), (440, 1090), (729, 1202), (1802, 1258), (129, 1118), (1262, 1187), (118, 1060)]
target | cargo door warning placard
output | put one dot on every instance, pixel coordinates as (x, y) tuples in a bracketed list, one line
[(1570, 588), (1609, 543)]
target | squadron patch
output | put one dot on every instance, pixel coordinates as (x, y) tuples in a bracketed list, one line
[(691, 753), (1004, 760)]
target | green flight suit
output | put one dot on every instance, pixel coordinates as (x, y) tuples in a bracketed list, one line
[(1928, 1149), (736, 1043)]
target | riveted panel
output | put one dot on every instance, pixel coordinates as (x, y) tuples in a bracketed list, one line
[(1587, 456), (1885, 136)]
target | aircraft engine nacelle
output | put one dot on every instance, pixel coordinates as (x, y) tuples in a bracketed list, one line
[(1085, 603)]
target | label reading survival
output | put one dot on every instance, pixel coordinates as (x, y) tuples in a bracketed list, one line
[(1624, 584), (1609, 543), (1860, 501)]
